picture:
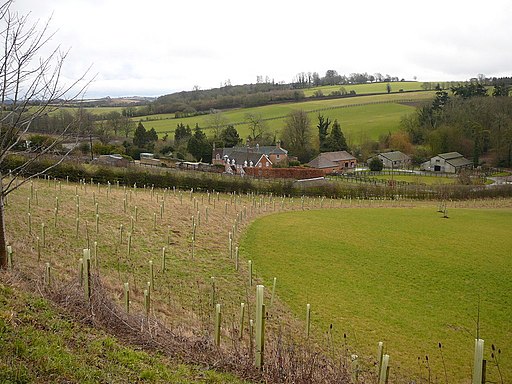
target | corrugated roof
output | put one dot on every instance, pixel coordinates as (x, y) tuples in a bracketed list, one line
[(459, 162), (449, 155), (395, 156)]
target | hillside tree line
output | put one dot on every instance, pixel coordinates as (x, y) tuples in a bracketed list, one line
[(473, 120)]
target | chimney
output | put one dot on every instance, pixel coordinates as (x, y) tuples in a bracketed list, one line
[(278, 144)]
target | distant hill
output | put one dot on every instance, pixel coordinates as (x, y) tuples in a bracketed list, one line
[(113, 101)]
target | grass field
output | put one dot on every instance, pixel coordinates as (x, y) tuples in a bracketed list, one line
[(181, 295), (360, 117), (403, 276), (40, 344), (418, 179), (362, 89)]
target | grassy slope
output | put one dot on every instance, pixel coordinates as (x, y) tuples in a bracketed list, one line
[(185, 284), (404, 276), (183, 290), (39, 344), (358, 121), (366, 88), (368, 120)]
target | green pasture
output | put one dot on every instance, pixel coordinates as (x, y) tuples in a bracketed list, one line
[(104, 110), (418, 179), (405, 276), (366, 88), (358, 123), (93, 110), (360, 117)]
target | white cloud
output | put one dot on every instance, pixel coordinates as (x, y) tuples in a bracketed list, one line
[(162, 46)]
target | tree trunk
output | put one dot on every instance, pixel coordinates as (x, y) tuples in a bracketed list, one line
[(3, 242)]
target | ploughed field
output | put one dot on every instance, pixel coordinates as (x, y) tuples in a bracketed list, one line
[(405, 276)]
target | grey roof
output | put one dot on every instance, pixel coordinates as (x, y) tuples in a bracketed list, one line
[(330, 159), (449, 155), (271, 150), (395, 156), (265, 149), (459, 162), (242, 156)]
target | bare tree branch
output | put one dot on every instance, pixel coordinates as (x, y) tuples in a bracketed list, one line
[(31, 89)]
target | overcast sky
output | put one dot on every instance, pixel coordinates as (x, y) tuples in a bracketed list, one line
[(155, 47)]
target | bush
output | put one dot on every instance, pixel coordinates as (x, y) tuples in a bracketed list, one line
[(376, 164), (85, 148)]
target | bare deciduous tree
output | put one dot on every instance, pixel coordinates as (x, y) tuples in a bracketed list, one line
[(30, 88), (297, 135)]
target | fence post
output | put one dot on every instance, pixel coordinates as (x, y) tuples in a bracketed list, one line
[(163, 259), (47, 276), (250, 273), (87, 273), (355, 369), (217, 324), (478, 361), (308, 319), (260, 326), (380, 353), (384, 370), (242, 315), (9, 256)]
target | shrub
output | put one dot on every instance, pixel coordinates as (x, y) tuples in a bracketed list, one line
[(375, 164)]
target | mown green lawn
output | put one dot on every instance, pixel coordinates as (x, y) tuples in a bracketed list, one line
[(407, 277)]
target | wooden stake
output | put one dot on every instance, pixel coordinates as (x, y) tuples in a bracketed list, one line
[(260, 327), (217, 324)]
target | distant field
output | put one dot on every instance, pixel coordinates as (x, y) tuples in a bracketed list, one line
[(366, 88), (403, 276), (97, 110), (419, 179), (359, 117)]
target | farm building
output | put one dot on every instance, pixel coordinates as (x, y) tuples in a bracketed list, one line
[(450, 162), (149, 159), (112, 160), (334, 162), (274, 153), (194, 166), (395, 159)]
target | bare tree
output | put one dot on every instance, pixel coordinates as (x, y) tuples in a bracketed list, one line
[(297, 135), (216, 121), (30, 88), (258, 129)]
